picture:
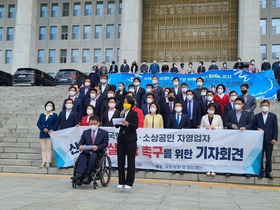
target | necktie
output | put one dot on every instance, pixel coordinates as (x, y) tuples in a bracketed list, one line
[(190, 110), (178, 119), (170, 106), (93, 137)]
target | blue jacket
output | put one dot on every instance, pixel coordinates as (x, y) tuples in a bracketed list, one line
[(62, 123), (49, 124), (154, 68)]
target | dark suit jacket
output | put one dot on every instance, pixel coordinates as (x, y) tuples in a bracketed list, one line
[(179, 91), (49, 124), (129, 133), (227, 108), (270, 127), (62, 123), (158, 92), (124, 68), (180, 97), (97, 107), (116, 69), (184, 122), (197, 94), (196, 113), (77, 107), (144, 108), (139, 94), (105, 120), (104, 93), (83, 94), (165, 112), (246, 120)]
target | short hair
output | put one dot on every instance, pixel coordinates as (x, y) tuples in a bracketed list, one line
[(190, 91), (204, 88), (167, 89), (213, 61), (112, 98), (150, 94), (238, 58), (221, 85), (111, 90), (200, 78), (155, 77), (178, 102), (137, 78), (182, 64), (131, 85), (240, 99), (91, 107), (252, 60), (245, 85), (130, 101), (184, 84), (158, 109), (277, 58), (69, 99), (171, 92), (113, 62), (265, 101), (71, 88), (93, 90), (201, 62), (264, 58), (112, 87), (50, 102), (211, 105), (149, 85), (231, 92), (190, 63), (176, 78), (94, 118), (210, 91), (104, 75)]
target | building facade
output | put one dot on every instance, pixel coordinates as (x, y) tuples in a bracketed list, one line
[(51, 34)]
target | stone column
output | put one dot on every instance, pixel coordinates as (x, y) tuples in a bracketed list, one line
[(249, 30), (131, 32), (25, 37)]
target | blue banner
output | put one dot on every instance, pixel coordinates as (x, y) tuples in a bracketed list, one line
[(262, 85)]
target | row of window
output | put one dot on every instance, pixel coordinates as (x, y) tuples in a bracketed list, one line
[(9, 33), (275, 49), (77, 9), (274, 4), (275, 23), (76, 35), (11, 11)]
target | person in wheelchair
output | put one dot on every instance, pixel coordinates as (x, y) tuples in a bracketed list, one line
[(93, 141)]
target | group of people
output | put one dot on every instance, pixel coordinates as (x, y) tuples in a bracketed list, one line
[(175, 107)]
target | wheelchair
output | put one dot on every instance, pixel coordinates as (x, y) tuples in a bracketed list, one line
[(102, 171)]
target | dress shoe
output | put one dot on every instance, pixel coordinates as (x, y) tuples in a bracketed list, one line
[(47, 165), (127, 187), (247, 175), (213, 174), (87, 179), (227, 174), (261, 175), (42, 165), (120, 186), (77, 177), (208, 174), (268, 176)]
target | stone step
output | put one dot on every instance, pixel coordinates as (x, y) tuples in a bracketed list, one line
[(15, 162)]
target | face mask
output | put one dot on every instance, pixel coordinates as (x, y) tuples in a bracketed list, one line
[(149, 100), (110, 95), (103, 81), (171, 98), (69, 106), (220, 90), (244, 91), (166, 94), (112, 105), (175, 83), (120, 87), (153, 110), (225, 65), (126, 106), (155, 62), (277, 60), (264, 60), (94, 127), (136, 83), (72, 93), (237, 106), (189, 97), (264, 109), (89, 111), (144, 63), (232, 98), (154, 81), (49, 108), (203, 93), (210, 111), (199, 83), (253, 62), (148, 90), (210, 98), (190, 66), (131, 90), (92, 96), (184, 90), (213, 63), (87, 84), (178, 109)]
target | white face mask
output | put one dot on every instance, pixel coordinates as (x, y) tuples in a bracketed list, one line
[(225, 65), (131, 90), (87, 84), (199, 83), (213, 63), (154, 81), (89, 111), (175, 83), (210, 111), (69, 106), (165, 94), (136, 83), (189, 97), (210, 98), (148, 90), (120, 87), (72, 93), (149, 100), (103, 81), (49, 108), (110, 95), (92, 96), (153, 110), (203, 93), (184, 90), (94, 127), (238, 107), (112, 105), (265, 109), (232, 98), (178, 109), (253, 62), (220, 91)]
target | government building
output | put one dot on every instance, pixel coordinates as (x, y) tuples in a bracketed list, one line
[(55, 34)]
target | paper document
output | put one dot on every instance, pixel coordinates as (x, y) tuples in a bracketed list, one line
[(117, 121)]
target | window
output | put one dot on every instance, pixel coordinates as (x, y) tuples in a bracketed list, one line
[(262, 4), (109, 55), (276, 26), (77, 9), (64, 32), (263, 26), (2, 11), (55, 10), (1, 33), (111, 8), (74, 55), (8, 56), (53, 33), (99, 8), (109, 31), (65, 9), (275, 3), (52, 56), (275, 50), (97, 56), (44, 10), (10, 33), (88, 9), (118, 55), (98, 32), (75, 32), (263, 52), (86, 55), (42, 33), (63, 56), (120, 7), (41, 56), (87, 31), (12, 11), (119, 31)]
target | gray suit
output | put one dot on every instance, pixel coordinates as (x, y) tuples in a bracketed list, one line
[(250, 103)]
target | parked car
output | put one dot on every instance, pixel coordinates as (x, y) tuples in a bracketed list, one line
[(6, 79), (70, 77), (33, 77)]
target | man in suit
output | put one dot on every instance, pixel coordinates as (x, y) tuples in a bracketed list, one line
[(104, 86), (266, 121), (67, 118), (209, 100), (94, 77), (113, 68), (178, 120), (139, 92), (94, 100), (193, 109), (250, 101), (157, 90), (146, 106), (230, 106), (168, 108), (182, 97), (97, 139), (154, 68), (84, 91), (176, 88), (124, 67), (197, 91)]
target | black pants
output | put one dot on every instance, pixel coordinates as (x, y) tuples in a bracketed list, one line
[(267, 149), (82, 165), (126, 149)]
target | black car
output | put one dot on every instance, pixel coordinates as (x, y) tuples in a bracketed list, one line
[(6, 79), (33, 77), (70, 77)]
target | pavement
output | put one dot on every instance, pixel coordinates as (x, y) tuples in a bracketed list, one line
[(42, 191)]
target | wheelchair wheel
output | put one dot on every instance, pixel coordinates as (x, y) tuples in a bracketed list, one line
[(95, 185), (106, 170), (74, 185)]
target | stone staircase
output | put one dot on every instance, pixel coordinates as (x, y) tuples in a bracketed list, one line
[(20, 146)]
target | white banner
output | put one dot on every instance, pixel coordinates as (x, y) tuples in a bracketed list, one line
[(198, 150)]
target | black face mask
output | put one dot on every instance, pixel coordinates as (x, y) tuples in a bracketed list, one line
[(244, 91), (170, 98)]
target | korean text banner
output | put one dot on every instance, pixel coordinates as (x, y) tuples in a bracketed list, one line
[(262, 85), (198, 150)]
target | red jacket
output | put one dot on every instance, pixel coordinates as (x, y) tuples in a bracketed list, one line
[(84, 121), (222, 101), (140, 116)]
